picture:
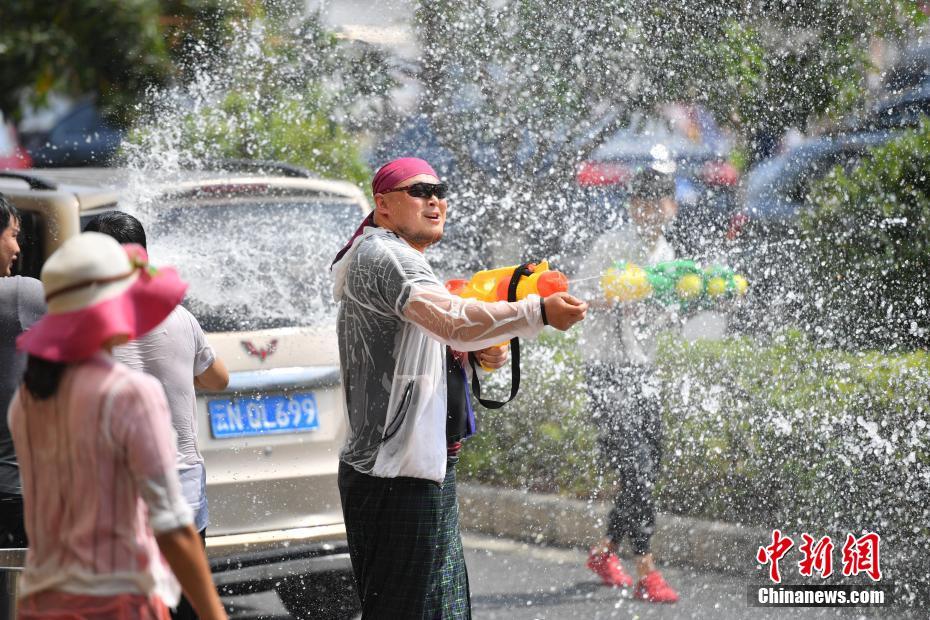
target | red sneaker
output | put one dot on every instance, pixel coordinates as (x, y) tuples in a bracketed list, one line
[(608, 568), (655, 589)]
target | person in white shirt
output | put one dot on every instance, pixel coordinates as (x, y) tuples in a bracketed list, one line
[(618, 344)]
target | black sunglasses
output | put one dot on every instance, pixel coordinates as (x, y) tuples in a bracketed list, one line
[(423, 190)]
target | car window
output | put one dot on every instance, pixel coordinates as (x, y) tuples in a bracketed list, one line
[(820, 167), (81, 120), (905, 114), (254, 263)]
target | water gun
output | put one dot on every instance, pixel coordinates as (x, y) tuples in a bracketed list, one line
[(672, 282), (493, 284)]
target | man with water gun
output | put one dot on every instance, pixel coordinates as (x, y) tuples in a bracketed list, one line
[(618, 344), (397, 324)]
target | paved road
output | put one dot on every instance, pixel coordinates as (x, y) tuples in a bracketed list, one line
[(516, 581)]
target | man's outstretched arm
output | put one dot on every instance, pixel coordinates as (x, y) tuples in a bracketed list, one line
[(472, 325)]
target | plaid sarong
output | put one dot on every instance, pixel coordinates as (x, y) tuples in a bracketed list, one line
[(405, 546)]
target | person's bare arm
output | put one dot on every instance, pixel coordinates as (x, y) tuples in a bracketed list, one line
[(214, 378), (184, 552)]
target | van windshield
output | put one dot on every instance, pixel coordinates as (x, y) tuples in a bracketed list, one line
[(255, 263)]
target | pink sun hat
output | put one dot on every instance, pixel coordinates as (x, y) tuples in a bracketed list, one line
[(96, 289)]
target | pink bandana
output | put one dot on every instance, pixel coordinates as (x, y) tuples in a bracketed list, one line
[(387, 177), (394, 172)]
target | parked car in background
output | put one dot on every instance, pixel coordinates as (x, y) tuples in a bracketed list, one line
[(902, 110), (79, 136), (255, 248), (705, 180), (776, 189), (769, 246)]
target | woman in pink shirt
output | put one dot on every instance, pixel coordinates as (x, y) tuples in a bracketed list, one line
[(104, 514)]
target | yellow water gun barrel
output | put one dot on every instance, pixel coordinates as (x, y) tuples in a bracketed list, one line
[(493, 284)]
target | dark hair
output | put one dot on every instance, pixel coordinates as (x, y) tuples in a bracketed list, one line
[(650, 184), (121, 226), (42, 377), (8, 213)]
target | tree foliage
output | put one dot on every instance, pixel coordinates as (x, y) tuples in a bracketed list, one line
[(765, 66), (868, 236), (280, 88), (113, 49), (531, 79), (520, 93), (561, 74)]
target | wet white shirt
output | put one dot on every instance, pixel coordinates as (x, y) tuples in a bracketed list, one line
[(174, 352), (395, 319)]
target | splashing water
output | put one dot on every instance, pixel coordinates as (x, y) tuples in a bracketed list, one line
[(795, 420)]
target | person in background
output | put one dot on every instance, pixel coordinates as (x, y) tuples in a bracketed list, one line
[(618, 344), (177, 354), (22, 303), (102, 499)]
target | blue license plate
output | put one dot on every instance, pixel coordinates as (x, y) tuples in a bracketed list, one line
[(266, 415)]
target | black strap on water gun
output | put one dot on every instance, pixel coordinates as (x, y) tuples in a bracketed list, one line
[(520, 272)]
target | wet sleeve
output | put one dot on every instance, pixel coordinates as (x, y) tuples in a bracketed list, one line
[(140, 424), (469, 324)]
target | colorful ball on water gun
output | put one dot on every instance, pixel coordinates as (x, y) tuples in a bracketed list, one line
[(723, 281), (689, 286), (716, 286), (740, 284), (628, 284)]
